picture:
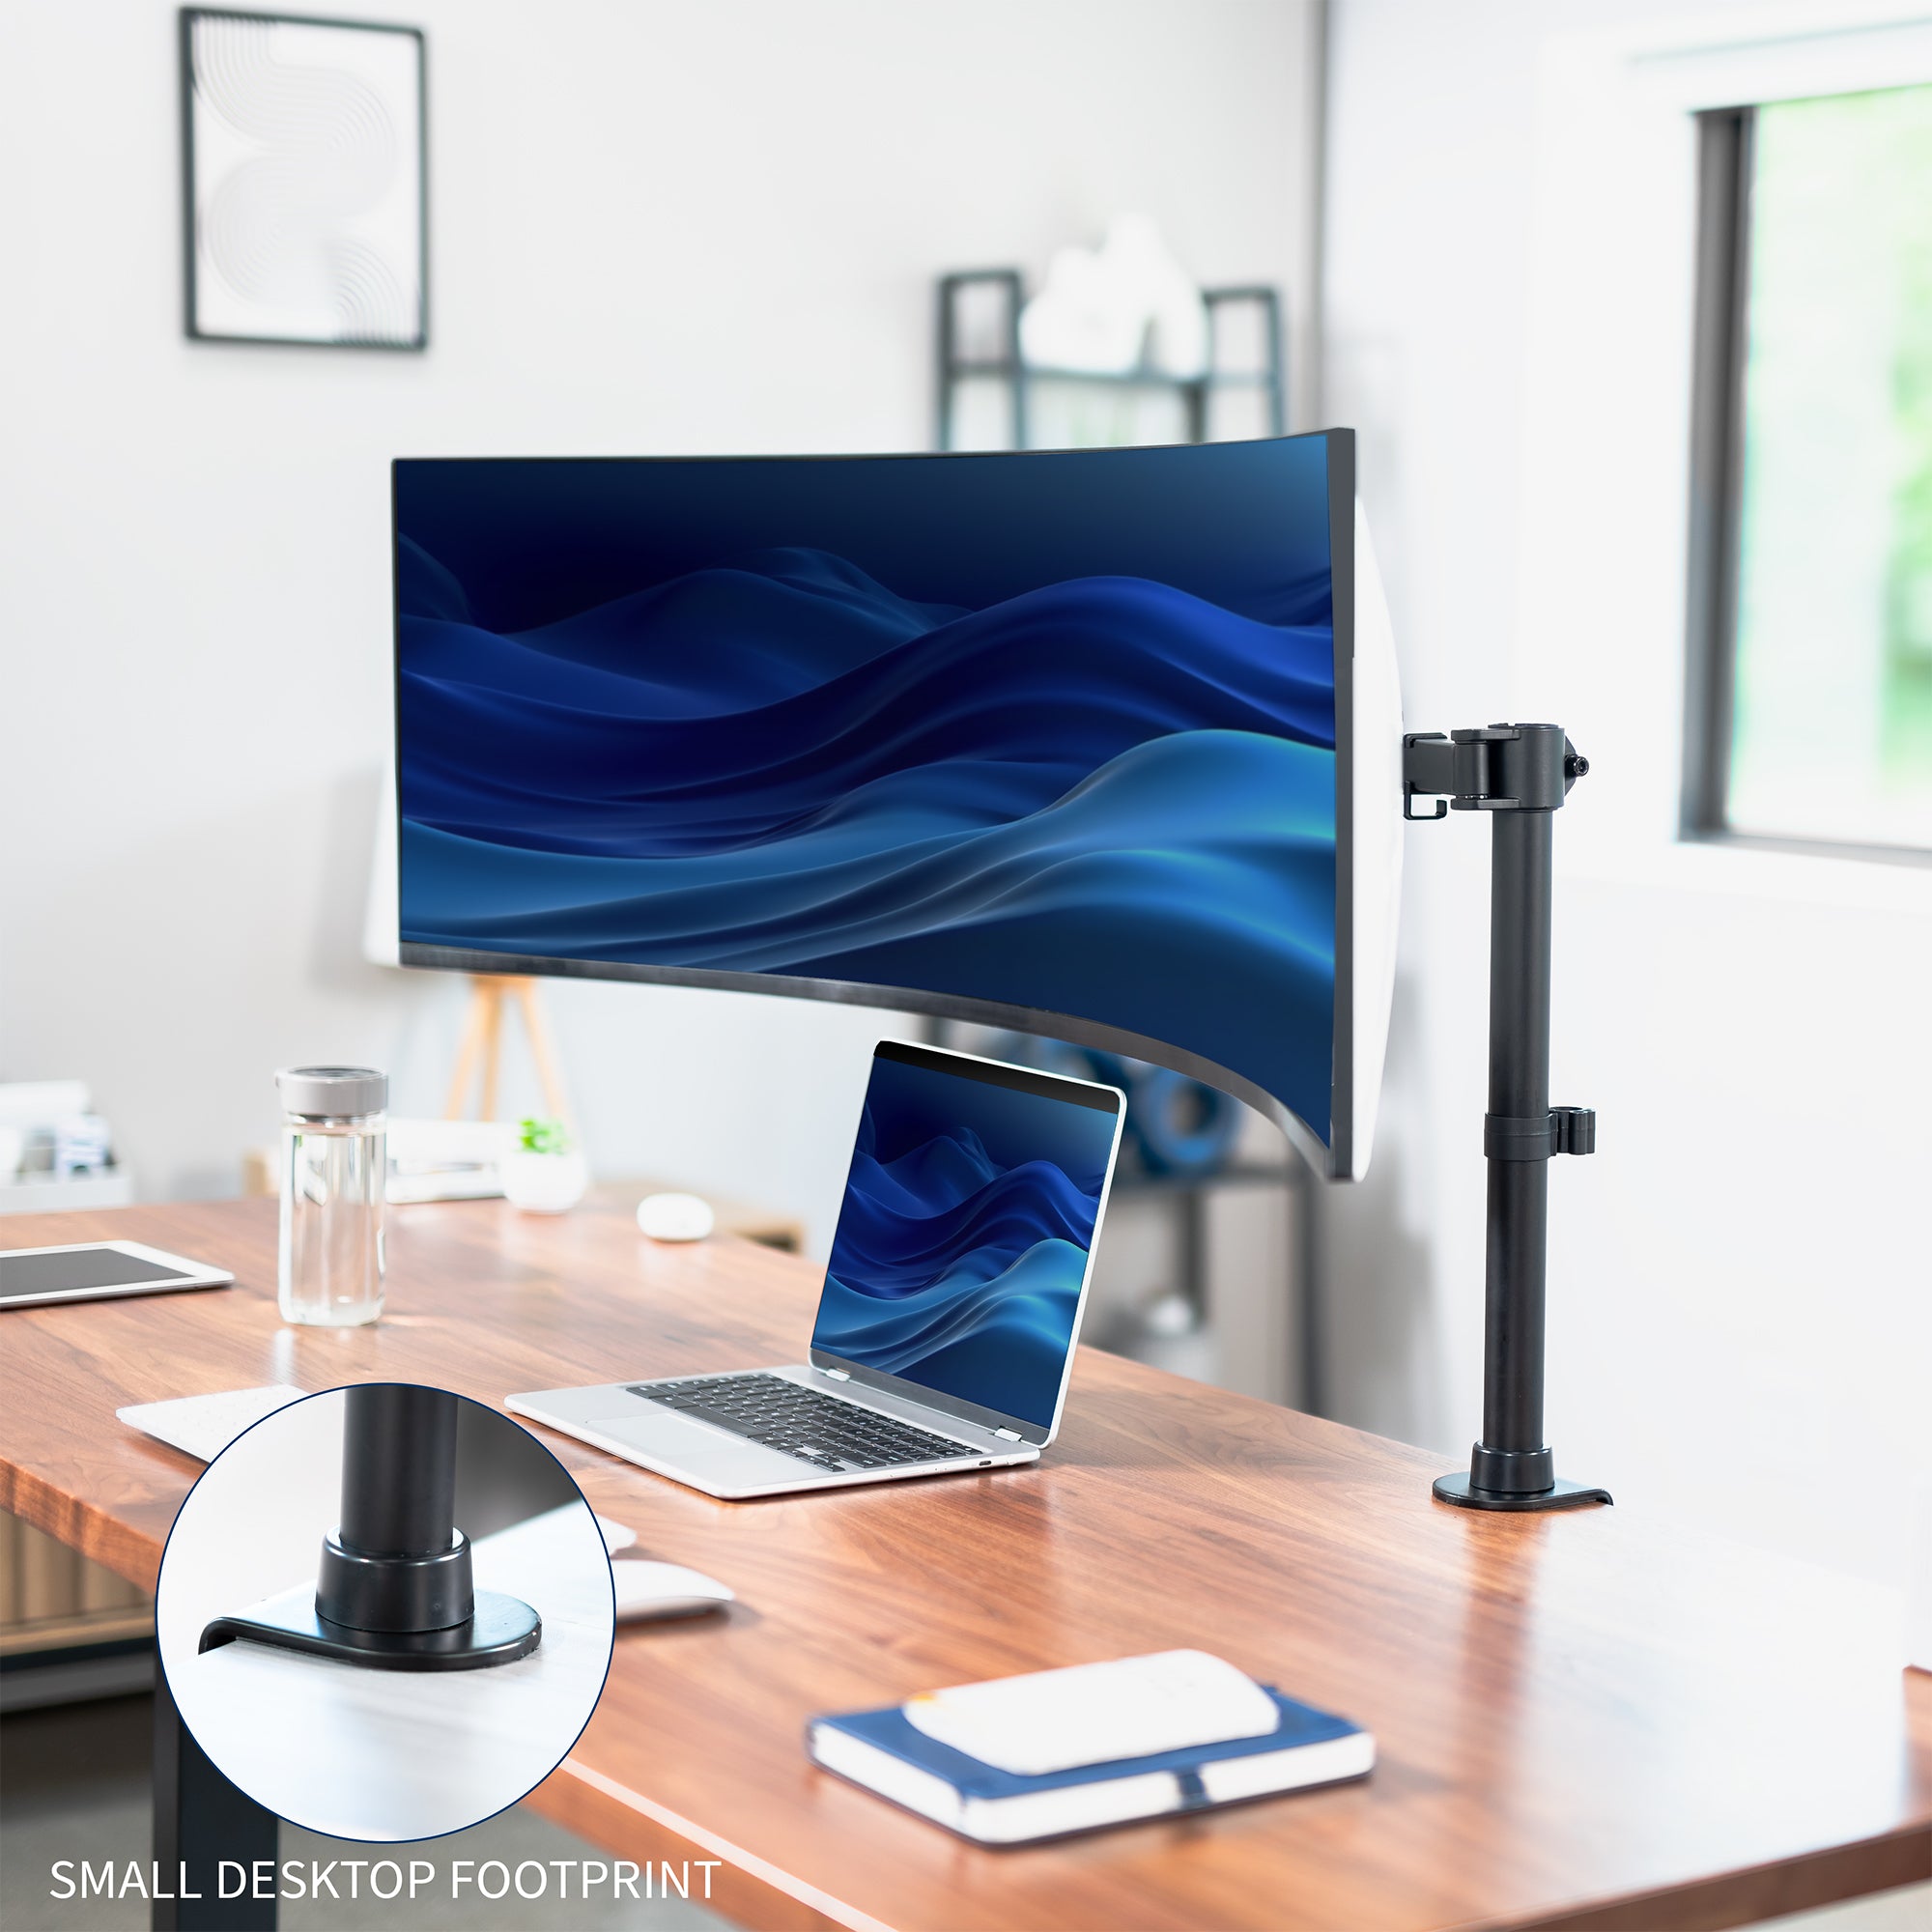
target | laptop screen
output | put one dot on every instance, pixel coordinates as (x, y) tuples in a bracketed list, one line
[(965, 1235)]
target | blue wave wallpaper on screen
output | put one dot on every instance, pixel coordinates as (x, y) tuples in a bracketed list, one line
[(962, 1241), (1055, 731)]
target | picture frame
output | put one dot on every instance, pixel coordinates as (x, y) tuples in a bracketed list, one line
[(304, 180)]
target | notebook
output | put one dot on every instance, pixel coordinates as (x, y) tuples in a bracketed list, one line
[(1042, 1788)]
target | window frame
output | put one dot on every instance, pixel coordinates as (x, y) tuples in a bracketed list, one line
[(1726, 153)]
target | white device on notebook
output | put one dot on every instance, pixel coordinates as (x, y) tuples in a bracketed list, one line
[(88, 1271), (945, 1327), (1051, 1721)]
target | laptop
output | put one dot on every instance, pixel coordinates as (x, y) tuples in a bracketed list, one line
[(945, 1332)]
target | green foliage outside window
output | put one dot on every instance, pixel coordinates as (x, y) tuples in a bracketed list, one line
[(1832, 693)]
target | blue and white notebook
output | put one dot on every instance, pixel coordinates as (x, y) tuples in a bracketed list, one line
[(1056, 1751)]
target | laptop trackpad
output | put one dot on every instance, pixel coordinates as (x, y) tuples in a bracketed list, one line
[(666, 1437)]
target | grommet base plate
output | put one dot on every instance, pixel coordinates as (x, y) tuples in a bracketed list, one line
[(1560, 1495), (501, 1629)]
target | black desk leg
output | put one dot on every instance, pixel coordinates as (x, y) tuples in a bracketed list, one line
[(203, 1823)]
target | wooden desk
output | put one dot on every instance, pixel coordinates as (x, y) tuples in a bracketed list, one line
[(1585, 1720)]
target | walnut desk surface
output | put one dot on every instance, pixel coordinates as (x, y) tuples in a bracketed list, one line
[(1585, 1720)]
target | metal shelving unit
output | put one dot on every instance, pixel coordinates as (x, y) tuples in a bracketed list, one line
[(955, 367)]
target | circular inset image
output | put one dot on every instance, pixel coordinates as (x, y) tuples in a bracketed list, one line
[(386, 1612)]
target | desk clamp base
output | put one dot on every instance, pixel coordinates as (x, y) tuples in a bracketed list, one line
[(394, 1589), (1520, 773), (1458, 1489), (499, 1629)]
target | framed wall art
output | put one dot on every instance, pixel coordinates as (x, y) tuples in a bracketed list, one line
[(304, 180)]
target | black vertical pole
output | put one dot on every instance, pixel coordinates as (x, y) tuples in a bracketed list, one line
[(396, 1563), (398, 1470), (1520, 773), (1512, 1456)]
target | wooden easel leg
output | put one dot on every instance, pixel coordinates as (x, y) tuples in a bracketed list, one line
[(475, 1022), (543, 1048), (493, 1047), (482, 1043)]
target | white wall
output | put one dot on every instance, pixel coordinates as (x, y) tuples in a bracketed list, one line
[(655, 227), (1741, 1315)]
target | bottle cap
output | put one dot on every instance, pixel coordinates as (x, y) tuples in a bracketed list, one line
[(332, 1093)]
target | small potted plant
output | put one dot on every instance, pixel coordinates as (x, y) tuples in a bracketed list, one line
[(543, 1173)]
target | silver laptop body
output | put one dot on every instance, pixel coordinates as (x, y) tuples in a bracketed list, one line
[(842, 1422)]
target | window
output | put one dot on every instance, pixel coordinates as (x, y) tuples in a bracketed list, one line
[(1809, 716)]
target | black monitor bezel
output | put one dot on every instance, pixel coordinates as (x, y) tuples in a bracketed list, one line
[(1332, 1156)]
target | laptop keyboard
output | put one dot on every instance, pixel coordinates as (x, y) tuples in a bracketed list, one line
[(831, 1434)]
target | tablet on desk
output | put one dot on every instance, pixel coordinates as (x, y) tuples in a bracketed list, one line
[(88, 1271)]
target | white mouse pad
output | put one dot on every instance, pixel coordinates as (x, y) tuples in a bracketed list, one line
[(203, 1426)]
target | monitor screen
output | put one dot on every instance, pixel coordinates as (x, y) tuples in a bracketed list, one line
[(967, 1230), (1046, 740)]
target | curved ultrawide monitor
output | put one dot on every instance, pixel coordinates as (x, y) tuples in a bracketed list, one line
[(1063, 741)]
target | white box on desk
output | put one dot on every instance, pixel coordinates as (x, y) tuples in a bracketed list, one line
[(42, 1193)]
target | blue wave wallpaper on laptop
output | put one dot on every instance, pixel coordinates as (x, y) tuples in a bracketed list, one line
[(1053, 731), (963, 1237)]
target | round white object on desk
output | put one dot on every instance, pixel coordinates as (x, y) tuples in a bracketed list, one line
[(675, 1217)]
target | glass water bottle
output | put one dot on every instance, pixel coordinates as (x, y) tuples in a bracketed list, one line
[(334, 1169)]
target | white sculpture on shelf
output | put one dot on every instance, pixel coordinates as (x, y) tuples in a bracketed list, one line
[(1125, 306)]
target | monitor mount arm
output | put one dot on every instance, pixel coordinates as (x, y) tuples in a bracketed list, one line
[(1522, 774)]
